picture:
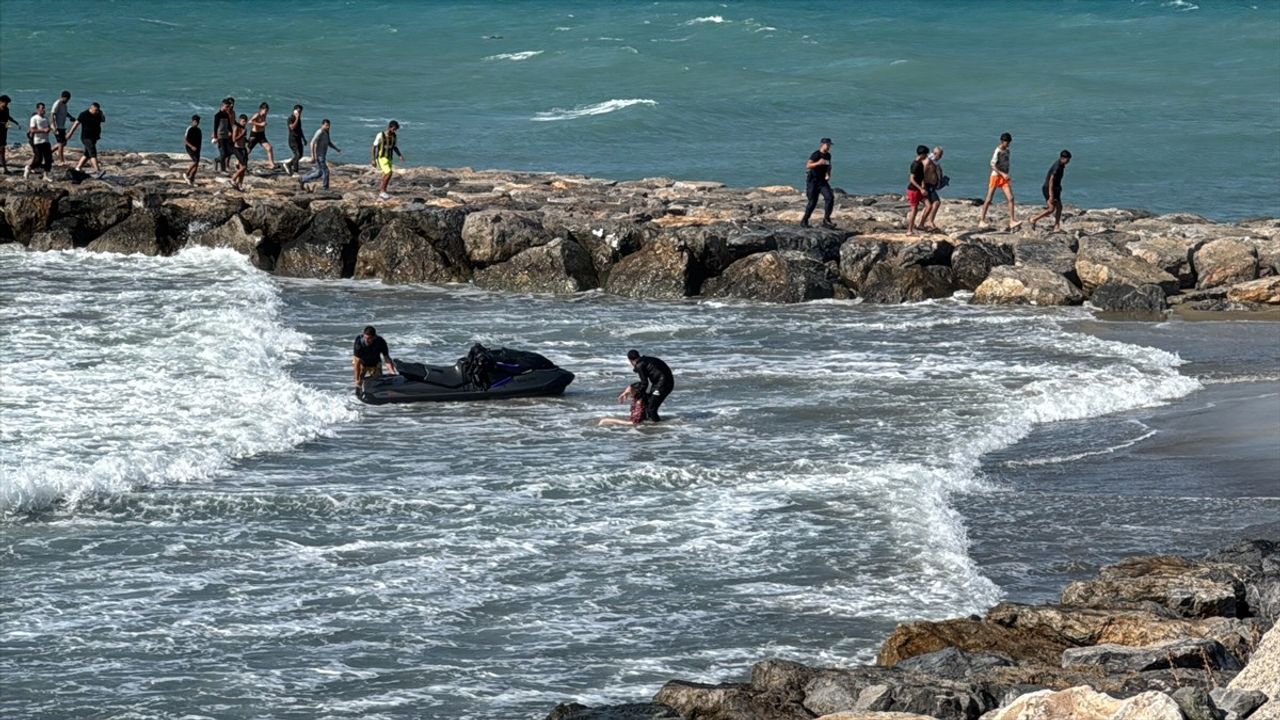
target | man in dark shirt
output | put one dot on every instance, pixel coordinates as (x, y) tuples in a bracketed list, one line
[(192, 142), (369, 349), (89, 123), (656, 382), (916, 191), (818, 182), (5, 121), (222, 121), (297, 141), (1052, 191)]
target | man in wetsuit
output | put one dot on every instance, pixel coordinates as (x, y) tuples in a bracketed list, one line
[(656, 382), (818, 182), (366, 355), (297, 141), (1052, 190)]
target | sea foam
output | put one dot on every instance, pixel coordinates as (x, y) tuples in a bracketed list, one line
[(601, 108)]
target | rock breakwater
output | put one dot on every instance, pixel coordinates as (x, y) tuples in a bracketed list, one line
[(652, 238), (1152, 637)]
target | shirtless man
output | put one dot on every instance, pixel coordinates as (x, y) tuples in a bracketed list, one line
[(258, 134)]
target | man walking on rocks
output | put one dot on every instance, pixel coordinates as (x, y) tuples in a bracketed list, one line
[(320, 145), (1000, 179), (818, 182), (192, 141), (60, 117), (89, 123), (384, 145), (222, 122), (1052, 190), (297, 140), (41, 152), (5, 120)]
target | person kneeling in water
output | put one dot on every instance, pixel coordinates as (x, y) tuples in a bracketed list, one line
[(634, 391), (369, 349)]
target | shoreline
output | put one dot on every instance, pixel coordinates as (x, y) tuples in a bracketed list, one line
[(657, 238)]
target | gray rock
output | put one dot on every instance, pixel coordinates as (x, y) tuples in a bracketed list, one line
[(1050, 253), (729, 701), (1170, 254), (1026, 285), (887, 690), (781, 676), (55, 238), (1195, 653), (559, 267), (493, 236), (777, 276), (1099, 262), (189, 216), (1237, 703), (1225, 262), (1196, 704), (278, 220), (30, 212), (88, 214), (954, 663), (1190, 589), (399, 254), (662, 269), (971, 262), (857, 257), (889, 282), (631, 711), (143, 231), (325, 249), (1260, 562), (235, 234), (1121, 297)]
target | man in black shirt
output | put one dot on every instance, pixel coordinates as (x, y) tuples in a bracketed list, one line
[(5, 120), (369, 349), (89, 123), (656, 382), (222, 121), (297, 141), (1052, 191), (192, 142), (818, 182)]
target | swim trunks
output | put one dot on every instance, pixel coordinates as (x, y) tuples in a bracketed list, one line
[(1000, 181), (914, 196), (257, 138), (90, 147), (384, 164)]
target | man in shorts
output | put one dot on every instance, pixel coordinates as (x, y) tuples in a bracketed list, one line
[(1052, 190), (5, 121), (89, 123), (384, 145), (1000, 179), (366, 356), (934, 180), (258, 134), (238, 132), (916, 191), (192, 142), (38, 130), (60, 116)]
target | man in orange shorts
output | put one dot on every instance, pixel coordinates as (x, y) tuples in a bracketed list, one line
[(1000, 179)]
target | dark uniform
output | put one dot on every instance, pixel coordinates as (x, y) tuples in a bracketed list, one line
[(657, 383)]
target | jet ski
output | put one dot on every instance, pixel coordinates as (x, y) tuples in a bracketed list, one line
[(483, 374)]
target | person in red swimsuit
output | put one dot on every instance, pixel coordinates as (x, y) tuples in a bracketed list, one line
[(635, 392)]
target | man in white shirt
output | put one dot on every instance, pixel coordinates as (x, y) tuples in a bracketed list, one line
[(41, 152)]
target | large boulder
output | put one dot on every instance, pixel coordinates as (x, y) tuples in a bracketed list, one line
[(192, 215), (1264, 291), (879, 689), (88, 214), (954, 663), (729, 701), (1197, 653), (662, 269), (1126, 298), (1083, 703), (630, 711), (857, 257), (783, 276), (1237, 703), (561, 266), (1186, 587), (972, 261), (1099, 262), (1268, 252), (1170, 254), (325, 249), (971, 635), (1050, 253), (890, 282), (822, 243), (278, 220), (494, 236), (1262, 674), (30, 212), (236, 235), (1227, 261), (398, 253), (1258, 562), (143, 231), (1196, 704), (1026, 285), (608, 241)]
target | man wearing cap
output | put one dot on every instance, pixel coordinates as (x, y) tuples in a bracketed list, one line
[(818, 182), (384, 145)]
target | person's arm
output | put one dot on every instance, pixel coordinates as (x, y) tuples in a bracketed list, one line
[(373, 153), (190, 147), (293, 122), (396, 150), (911, 181), (626, 395), (815, 163), (335, 147), (314, 141), (1053, 178), (72, 133), (386, 353)]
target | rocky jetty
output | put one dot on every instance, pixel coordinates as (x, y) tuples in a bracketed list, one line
[(652, 238), (1150, 638)]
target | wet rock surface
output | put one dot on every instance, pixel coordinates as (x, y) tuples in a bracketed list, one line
[(656, 238)]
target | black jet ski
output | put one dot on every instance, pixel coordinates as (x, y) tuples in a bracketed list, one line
[(484, 374)]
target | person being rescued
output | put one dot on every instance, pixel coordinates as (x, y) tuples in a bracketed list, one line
[(367, 353), (634, 392)]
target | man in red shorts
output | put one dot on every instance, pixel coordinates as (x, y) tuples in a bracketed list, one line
[(916, 192)]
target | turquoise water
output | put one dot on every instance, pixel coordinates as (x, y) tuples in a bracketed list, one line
[(1166, 105)]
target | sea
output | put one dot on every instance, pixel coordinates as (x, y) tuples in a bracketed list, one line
[(198, 519)]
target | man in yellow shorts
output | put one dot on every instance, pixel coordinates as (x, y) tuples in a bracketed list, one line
[(1000, 179), (384, 145)]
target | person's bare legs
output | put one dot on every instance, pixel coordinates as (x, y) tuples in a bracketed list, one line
[(386, 180), (271, 155), (1050, 207), (911, 220), (1013, 208), (929, 223), (986, 204)]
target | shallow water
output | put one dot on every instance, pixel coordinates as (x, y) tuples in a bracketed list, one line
[(1166, 105), (199, 518)]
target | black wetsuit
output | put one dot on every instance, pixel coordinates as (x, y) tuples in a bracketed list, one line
[(222, 131), (297, 143), (658, 382), (818, 182)]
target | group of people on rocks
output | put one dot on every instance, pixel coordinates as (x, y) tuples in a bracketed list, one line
[(926, 177), (39, 128), (370, 352)]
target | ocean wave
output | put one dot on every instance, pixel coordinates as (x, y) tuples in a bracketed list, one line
[(167, 370), (515, 56), (714, 19), (600, 108)]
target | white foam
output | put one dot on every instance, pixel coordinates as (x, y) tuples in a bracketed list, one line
[(128, 372), (515, 56), (600, 108), (713, 19)]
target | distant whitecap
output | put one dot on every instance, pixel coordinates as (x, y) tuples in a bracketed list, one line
[(601, 108)]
